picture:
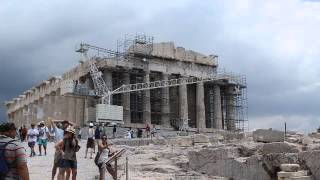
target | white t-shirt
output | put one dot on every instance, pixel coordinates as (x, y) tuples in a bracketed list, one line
[(33, 133), (43, 132), (90, 133)]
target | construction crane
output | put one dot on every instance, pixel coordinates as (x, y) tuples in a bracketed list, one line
[(105, 93)]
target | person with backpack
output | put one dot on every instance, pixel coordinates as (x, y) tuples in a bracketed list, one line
[(68, 148), (32, 139), (13, 162), (43, 138)]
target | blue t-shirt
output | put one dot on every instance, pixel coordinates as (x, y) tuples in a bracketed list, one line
[(58, 134)]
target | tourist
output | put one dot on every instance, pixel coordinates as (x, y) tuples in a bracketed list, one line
[(43, 138), (68, 148), (104, 153), (13, 163), (97, 133), (90, 142), (32, 139), (147, 130), (20, 134), (58, 132), (104, 131), (139, 133), (114, 131), (51, 134), (24, 132), (153, 131), (129, 133)]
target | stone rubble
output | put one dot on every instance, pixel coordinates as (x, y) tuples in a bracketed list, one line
[(216, 155)]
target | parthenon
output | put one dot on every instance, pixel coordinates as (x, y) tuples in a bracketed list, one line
[(215, 104)]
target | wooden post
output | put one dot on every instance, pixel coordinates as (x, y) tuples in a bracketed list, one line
[(127, 170), (116, 168)]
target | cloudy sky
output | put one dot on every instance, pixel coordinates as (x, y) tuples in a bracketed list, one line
[(275, 44)]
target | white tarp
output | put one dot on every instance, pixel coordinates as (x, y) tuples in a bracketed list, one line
[(109, 113)]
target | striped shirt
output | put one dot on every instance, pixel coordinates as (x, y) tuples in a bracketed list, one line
[(14, 153)]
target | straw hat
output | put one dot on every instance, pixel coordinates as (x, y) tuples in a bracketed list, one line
[(71, 129)]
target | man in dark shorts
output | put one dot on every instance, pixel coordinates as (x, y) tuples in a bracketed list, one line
[(90, 142), (32, 138)]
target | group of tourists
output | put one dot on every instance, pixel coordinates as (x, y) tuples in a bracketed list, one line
[(13, 157)]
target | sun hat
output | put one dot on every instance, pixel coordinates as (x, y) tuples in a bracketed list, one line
[(71, 129)]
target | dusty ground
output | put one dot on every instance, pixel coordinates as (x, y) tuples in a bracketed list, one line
[(150, 162)]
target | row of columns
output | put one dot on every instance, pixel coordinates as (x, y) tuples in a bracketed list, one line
[(74, 108), (53, 105), (183, 103)]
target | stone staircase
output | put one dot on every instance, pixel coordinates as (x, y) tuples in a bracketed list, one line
[(292, 172)]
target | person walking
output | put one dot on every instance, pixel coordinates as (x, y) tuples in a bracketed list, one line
[(43, 138), (104, 153), (13, 162), (68, 147), (20, 134), (90, 142), (24, 132), (114, 131), (148, 130), (32, 139)]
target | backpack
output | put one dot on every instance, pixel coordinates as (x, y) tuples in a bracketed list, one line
[(4, 166)]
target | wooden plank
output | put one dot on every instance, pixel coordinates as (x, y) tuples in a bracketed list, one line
[(116, 155)]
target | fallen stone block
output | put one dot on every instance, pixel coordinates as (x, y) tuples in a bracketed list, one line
[(315, 135), (268, 135), (223, 162), (306, 141), (312, 162), (289, 167), (200, 138), (292, 140), (283, 174), (181, 141), (299, 178), (278, 147)]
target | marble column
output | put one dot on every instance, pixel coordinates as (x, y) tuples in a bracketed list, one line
[(146, 101), (230, 109), (183, 102), (217, 108), (165, 104), (200, 108), (126, 100), (71, 109), (46, 108), (79, 111)]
